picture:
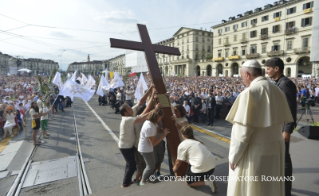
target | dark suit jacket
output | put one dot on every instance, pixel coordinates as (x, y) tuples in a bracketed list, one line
[(290, 90), (212, 102)]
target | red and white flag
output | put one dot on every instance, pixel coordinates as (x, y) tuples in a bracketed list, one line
[(132, 74)]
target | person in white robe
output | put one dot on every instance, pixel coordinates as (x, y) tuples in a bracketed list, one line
[(257, 147)]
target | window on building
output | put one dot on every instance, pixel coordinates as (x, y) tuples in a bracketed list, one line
[(219, 41), (253, 34), (219, 53), (208, 40), (203, 39), (290, 25), (187, 47), (277, 14), (235, 27), (227, 29), (208, 48), (307, 5), (264, 31), (253, 49), (253, 21), (196, 39), (244, 24), (220, 31), (196, 46), (203, 48), (196, 32), (244, 35), (289, 45), (305, 42), (226, 53), (276, 28), (275, 47), (291, 10), (263, 48), (305, 22), (226, 40), (234, 51), (243, 51), (264, 18), (235, 38)]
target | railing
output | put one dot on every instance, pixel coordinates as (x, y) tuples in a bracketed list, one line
[(252, 56), (290, 31), (264, 36), (219, 59), (275, 53), (277, 19), (244, 40), (306, 11), (302, 50), (226, 44), (235, 57)]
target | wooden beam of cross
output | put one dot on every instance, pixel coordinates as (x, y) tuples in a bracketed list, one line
[(150, 50)]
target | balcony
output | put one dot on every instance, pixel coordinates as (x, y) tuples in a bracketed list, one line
[(309, 10), (227, 44), (264, 36), (235, 57), (219, 59), (302, 50), (244, 40), (252, 56), (275, 53), (290, 31), (277, 19)]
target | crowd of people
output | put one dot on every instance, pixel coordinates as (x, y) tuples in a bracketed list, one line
[(20, 96)]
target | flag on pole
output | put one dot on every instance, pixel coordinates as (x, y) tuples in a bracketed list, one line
[(111, 74), (74, 76), (117, 81), (141, 88), (57, 80), (132, 74), (91, 82), (103, 85), (73, 89), (83, 79)]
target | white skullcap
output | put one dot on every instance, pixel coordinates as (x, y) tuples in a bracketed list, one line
[(252, 64)]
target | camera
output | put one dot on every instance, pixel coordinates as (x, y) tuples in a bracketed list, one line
[(309, 102)]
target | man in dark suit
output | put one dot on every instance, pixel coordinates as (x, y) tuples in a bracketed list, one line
[(197, 107), (210, 103), (274, 69)]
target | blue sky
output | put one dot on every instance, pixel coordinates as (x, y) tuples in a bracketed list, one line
[(109, 19)]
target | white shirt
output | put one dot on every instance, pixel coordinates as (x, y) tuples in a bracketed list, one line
[(127, 134), (137, 129), (128, 95), (317, 92), (149, 129), (44, 110), (219, 98), (201, 159), (187, 108)]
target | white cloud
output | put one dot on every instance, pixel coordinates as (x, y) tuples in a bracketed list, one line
[(60, 34)]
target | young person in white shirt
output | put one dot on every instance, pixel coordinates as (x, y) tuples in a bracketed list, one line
[(148, 141), (44, 119), (201, 161)]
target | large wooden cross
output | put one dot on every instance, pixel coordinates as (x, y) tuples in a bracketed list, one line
[(150, 50)]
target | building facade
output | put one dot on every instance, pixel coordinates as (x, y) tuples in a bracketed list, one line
[(117, 64), (38, 66), (88, 67), (196, 47), (282, 29), (11, 65)]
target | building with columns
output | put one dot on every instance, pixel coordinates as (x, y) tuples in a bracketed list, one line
[(117, 64), (88, 67), (196, 47), (282, 29)]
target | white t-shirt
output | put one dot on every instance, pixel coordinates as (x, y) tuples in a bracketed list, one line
[(137, 129), (127, 134), (33, 112), (187, 108), (128, 95), (197, 154), (149, 129), (44, 110)]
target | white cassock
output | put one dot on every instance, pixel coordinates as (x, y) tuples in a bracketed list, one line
[(257, 145)]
